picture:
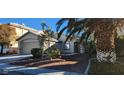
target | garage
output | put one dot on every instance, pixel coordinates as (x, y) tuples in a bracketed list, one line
[(28, 41), (27, 46)]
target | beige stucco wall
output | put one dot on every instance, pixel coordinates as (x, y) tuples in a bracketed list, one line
[(28, 42), (20, 32), (48, 44), (28, 37)]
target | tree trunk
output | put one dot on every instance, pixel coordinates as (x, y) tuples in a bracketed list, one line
[(105, 46), (106, 56), (1, 51)]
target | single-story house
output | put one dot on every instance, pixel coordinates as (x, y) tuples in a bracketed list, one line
[(33, 39)]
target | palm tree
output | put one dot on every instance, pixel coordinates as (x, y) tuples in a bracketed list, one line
[(8, 35), (104, 30)]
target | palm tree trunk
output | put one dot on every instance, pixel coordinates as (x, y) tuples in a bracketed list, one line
[(106, 56), (105, 46)]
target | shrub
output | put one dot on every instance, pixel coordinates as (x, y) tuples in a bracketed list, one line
[(37, 52), (53, 52), (119, 46), (104, 68), (90, 48)]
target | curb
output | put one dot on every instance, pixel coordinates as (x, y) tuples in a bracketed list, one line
[(88, 67)]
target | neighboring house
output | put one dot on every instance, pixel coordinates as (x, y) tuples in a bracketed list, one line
[(20, 30), (31, 40)]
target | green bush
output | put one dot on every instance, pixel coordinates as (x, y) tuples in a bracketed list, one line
[(53, 52), (104, 68), (37, 52), (119, 42), (90, 48)]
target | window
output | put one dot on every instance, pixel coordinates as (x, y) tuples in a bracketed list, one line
[(67, 46), (59, 45)]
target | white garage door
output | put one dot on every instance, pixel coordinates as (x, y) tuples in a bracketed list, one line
[(27, 47)]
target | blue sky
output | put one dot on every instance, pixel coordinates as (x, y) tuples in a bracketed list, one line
[(32, 22)]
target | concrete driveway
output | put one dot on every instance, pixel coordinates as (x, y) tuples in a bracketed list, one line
[(7, 69), (5, 59)]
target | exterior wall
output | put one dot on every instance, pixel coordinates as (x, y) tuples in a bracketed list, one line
[(20, 32), (30, 39), (48, 44), (71, 45), (5, 48), (29, 36), (63, 38), (14, 45), (82, 49)]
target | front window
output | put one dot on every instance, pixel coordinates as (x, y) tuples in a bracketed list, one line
[(67, 46)]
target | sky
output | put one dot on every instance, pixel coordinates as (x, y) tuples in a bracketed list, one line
[(32, 22)]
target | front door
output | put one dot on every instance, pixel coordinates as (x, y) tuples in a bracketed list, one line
[(76, 47)]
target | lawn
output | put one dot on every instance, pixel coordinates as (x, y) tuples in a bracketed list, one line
[(98, 68)]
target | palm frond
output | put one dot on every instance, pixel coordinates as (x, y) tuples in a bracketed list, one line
[(82, 37), (60, 22), (86, 26), (61, 31), (70, 34)]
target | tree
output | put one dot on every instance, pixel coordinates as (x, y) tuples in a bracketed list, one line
[(104, 30), (7, 35), (48, 36), (46, 39)]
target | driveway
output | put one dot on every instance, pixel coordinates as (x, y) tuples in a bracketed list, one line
[(8, 69), (5, 59)]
